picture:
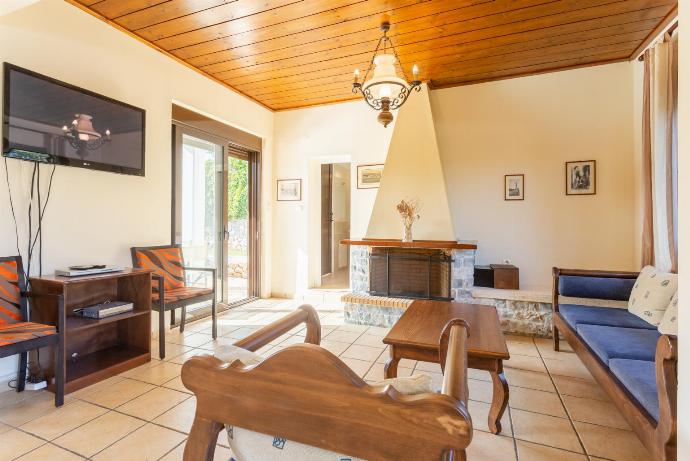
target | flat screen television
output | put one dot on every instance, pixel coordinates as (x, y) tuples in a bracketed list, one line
[(45, 120)]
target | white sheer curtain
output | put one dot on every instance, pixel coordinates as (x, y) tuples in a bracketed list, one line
[(660, 142)]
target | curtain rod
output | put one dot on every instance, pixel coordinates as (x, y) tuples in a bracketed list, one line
[(670, 30)]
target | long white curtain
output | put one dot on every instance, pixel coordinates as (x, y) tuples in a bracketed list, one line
[(660, 133)]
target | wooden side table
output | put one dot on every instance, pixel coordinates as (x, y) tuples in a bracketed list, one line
[(416, 337), (96, 349)]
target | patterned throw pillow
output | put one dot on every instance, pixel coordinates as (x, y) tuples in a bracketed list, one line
[(651, 294), (669, 324), (248, 445)]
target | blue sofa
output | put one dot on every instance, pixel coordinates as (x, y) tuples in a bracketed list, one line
[(629, 358)]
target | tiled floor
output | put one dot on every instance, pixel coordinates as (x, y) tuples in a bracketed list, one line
[(556, 411)]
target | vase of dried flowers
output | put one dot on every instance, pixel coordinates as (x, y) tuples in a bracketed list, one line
[(408, 211)]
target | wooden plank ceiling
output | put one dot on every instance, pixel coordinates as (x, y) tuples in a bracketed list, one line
[(295, 53)]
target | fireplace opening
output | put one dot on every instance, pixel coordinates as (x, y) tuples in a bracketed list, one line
[(410, 273)]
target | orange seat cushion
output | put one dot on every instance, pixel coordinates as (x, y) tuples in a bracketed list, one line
[(9, 293), (178, 294), (23, 331)]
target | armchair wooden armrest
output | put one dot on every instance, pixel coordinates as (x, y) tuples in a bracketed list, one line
[(265, 335), (666, 361), (453, 359)]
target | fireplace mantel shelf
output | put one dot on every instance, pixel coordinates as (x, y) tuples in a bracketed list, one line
[(431, 244)]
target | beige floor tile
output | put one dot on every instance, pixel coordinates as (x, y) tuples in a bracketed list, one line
[(360, 352), (159, 374), (189, 339), (221, 454), (353, 327), (595, 412), (171, 350), (96, 435), (422, 366), (545, 347), (489, 447), (15, 443), (50, 452), (532, 452), (480, 418), (180, 417), (182, 358), (529, 379), (149, 442), (140, 368), (378, 331), (40, 403), (525, 362), (370, 340), (4, 428), (153, 404), (610, 443), (177, 384), (242, 332), (360, 367), (63, 420), (546, 403), (292, 340), (121, 392), (545, 430), (376, 372), (570, 366), (481, 391), (580, 388), (335, 347), (522, 348), (98, 387), (481, 375), (343, 336)]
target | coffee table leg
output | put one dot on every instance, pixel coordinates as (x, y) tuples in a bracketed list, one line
[(390, 370), (499, 402)]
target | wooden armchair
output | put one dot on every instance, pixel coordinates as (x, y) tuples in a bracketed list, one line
[(171, 291), (308, 395), (17, 334)]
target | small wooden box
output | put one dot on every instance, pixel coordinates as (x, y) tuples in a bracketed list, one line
[(506, 276)]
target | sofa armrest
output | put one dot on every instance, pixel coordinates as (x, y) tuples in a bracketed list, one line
[(667, 388)]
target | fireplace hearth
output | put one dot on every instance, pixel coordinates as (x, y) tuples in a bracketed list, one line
[(410, 273)]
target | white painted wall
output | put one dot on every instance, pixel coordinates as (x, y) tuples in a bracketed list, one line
[(303, 140), (96, 216), (684, 230), (532, 126)]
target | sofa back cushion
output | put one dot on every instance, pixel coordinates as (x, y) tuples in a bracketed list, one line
[(669, 322), (652, 293), (615, 289)]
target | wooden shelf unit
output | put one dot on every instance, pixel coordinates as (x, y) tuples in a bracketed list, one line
[(96, 349)]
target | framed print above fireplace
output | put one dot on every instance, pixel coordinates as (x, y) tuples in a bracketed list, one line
[(289, 190), (369, 176), (514, 187), (581, 177)]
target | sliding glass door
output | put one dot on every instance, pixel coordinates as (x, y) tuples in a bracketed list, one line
[(215, 212)]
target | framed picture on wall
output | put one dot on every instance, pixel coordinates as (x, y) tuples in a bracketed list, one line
[(514, 187), (369, 176), (581, 177), (289, 190)]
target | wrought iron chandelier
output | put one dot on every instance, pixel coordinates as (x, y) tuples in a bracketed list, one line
[(82, 136), (385, 90)]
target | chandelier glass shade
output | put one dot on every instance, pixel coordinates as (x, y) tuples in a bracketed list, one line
[(81, 134), (385, 90)]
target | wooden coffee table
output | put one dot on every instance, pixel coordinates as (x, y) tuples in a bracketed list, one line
[(416, 337)]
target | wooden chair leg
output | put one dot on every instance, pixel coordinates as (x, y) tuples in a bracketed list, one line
[(161, 333), (183, 319), (214, 319), (21, 375), (556, 339), (172, 317), (201, 444)]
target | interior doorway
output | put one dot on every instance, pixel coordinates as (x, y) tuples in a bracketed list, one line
[(335, 224)]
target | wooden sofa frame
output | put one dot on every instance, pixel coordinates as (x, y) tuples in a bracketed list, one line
[(306, 394), (658, 437)]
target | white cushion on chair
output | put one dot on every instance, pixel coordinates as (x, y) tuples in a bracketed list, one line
[(669, 323), (248, 445)]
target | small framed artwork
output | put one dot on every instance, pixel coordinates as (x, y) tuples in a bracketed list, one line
[(369, 176), (514, 187), (581, 177), (289, 190)]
